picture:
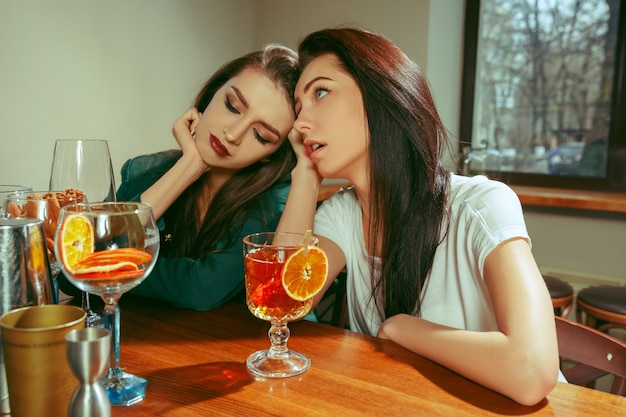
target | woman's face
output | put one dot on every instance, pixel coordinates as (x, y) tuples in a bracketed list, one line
[(331, 118), (246, 121)]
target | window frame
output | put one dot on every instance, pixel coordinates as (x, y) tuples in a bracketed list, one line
[(615, 180)]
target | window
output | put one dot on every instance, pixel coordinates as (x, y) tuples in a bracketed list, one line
[(544, 94)]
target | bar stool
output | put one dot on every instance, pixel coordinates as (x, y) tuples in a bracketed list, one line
[(562, 295), (602, 307)]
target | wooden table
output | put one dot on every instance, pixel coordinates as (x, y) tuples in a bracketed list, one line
[(195, 365)]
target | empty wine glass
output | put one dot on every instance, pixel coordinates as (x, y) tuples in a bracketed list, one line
[(108, 249), (85, 165)]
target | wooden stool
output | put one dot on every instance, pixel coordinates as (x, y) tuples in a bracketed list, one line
[(602, 307), (562, 295)]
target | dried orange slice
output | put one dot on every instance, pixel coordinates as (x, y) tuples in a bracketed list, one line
[(112, 276), (115, 256), (305, 272), (75, 240), (103, 269)]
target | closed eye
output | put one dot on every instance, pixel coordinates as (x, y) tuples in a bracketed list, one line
[(230, 107), (260, 138)]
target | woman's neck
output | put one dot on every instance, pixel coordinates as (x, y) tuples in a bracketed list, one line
[(213, 182)]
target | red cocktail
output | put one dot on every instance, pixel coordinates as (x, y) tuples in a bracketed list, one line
[(265, 255)]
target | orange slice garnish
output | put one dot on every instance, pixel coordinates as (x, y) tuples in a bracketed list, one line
[(112, 275), (103, 269), (115, 256), (109, 264), (305, 272), (75, 240)]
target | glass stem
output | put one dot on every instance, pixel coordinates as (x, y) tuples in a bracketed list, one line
[(112, 323), (278, 334), (85, 301)]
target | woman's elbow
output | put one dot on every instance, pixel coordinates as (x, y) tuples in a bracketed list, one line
[(536, 391), (534, 380)]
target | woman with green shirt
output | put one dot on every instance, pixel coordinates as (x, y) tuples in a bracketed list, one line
[(230, 178)]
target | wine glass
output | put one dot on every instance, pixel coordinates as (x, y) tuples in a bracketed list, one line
[(85, 165), (45, 206), (7, 190), (264, 257), (107, 249)]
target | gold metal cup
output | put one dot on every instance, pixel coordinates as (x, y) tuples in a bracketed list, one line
[(39, 378)]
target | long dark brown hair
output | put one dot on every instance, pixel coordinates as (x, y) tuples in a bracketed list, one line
[(408, 185), (246, 192)]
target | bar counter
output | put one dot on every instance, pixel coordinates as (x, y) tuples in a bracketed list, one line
[(195, 365)]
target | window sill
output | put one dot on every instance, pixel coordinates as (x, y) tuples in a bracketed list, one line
[(571, 199), (542, 197)]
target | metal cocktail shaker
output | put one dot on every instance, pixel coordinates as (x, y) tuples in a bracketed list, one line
[(24, 275)]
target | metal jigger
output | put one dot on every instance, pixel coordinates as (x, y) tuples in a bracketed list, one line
[(24, 276), (88, 354)]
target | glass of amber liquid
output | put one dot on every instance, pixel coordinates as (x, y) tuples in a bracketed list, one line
[(264, 257)]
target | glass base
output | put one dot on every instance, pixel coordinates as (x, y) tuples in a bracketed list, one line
[(282, 365), (122, 388), (94, 319)]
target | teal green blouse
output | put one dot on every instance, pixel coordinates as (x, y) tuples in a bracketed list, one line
[(213, 279)]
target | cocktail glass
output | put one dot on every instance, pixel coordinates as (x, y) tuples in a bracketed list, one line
[(264, 257), (121, 253)]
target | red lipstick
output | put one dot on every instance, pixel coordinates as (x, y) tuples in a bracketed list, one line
[(218, 146)]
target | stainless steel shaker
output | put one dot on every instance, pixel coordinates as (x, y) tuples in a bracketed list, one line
[(25, 277)]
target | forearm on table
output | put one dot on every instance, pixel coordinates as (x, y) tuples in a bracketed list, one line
[(512, 365)]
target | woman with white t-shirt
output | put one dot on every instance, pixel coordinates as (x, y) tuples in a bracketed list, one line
[(438, 263)]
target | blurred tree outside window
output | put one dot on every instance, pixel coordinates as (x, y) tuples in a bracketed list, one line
[(540, 99)]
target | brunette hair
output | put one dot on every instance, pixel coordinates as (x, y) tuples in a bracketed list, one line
[(408, 185), (246, 192)]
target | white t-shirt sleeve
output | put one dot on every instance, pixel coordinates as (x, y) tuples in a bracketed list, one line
[(493, 214)]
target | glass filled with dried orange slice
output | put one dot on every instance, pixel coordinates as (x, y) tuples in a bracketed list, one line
[(108, 249), (283, 272)]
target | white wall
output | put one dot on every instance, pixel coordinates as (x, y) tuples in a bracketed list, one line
[(117, 70), (403, 21)]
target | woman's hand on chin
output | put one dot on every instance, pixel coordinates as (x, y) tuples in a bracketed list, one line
[(305, 168), (184, 131)]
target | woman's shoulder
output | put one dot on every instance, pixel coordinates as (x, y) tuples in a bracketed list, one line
[(343, 196), (150, 164), (341, 203), (489, 205), (479, 189)]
